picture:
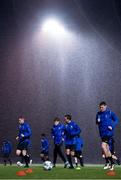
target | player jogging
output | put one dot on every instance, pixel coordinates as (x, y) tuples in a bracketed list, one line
[(106, 121), (23, 139)]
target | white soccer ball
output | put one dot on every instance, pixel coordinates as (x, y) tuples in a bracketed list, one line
[(19, 164), (47, 165)]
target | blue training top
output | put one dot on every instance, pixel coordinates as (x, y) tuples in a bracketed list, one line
[(57, 132), (24, 133), (6, 147), (104, 120), (72, 130), (44, 144)]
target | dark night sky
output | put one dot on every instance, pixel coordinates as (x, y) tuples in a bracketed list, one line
[(42, 78)]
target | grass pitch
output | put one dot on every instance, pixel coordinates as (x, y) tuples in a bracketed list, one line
[(88, 172)]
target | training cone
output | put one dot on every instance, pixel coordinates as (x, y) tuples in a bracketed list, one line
[(29, 171), (111, 173), (21, 173)]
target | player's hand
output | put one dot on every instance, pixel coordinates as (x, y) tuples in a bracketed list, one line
[(17, 138), (63, 140), (22, 135), (110, 128)]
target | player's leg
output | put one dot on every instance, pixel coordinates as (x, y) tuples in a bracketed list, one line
[(80, 157), (108, 155), (60, 153), (24, 147), (19, 154), (55, 151), (105, 152), (68, 154), (26, 157), (9, 159), (112, 149), (42, 156), (116, 159), (29, 154), (76, 161), (4, 159)]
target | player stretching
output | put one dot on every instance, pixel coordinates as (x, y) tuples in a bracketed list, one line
[(24, 140), (106, 121), (72, 130)]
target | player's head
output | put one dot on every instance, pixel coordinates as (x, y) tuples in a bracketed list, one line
[(67, 118), (21, 119), (43, 135), (56, 121), (5, 141), (103, 106)]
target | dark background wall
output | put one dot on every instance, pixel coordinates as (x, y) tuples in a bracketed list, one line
[(42, 78)]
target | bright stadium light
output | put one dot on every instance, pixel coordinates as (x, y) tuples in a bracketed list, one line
[(53, 27)]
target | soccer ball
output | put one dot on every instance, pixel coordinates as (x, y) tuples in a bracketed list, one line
[(19, 164), (47, 165)]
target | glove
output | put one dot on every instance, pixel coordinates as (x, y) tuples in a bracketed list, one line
[(110, 128), (98, 120), (22, 135)]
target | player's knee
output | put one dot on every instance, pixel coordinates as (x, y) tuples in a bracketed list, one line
[(24, 152), (67, 151), (41, 155), (104, 146), (18, 152), (72, 153)]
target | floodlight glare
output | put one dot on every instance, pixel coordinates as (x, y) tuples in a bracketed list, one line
[(53, 27)]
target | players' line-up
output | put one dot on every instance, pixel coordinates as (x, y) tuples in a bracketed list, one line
[(68, 134)]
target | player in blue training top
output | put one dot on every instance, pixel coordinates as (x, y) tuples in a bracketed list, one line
[(78, 151), (23, 139), (106, 121), (6, 151), (44, 146), (57, 132), (72, 130)]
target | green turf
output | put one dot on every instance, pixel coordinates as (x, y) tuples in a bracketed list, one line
[(59, 173)]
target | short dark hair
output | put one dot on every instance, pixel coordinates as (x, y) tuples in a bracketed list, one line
[(102, 103), (21, 117), (56, 119), (68, 116), (43, 134)]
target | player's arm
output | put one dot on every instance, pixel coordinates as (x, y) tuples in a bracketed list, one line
[(52, 133), (28, 132), (82, 143), (76, 130), (115, 119), (97, 119), (63, 132)]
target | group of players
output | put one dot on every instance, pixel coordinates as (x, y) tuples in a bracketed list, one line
[(69, 135)]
